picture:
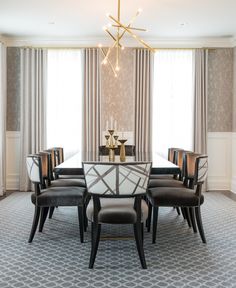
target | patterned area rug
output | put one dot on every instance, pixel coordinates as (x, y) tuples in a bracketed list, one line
[(56, 258)]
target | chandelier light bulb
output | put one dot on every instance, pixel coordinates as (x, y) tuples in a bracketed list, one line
[(122, 47), (117, 68), (108, 15), (104, 28), (140, 10), (104, 61), (100, 45)]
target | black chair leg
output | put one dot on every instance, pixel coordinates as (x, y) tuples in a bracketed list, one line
[(51, 212), (43, 216), (178, 211), (154, 224), (81, 223), (139, 244), (96, 230), (187, 215), (183, 212), (192, 218), (35, 223), (149, 219), (85, 218), (199, 223)]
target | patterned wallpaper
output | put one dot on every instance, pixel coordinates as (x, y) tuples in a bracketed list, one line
[(118, 93), (220, 90), (234, 94), (13, 89)]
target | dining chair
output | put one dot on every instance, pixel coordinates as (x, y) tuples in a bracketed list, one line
[(171, 180), (48, 164), (59, 158), (45, 197), (190, 198), (116, 191)]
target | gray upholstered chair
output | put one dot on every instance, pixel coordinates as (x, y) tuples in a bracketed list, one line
[(58, 159), (52, 158), (116, 190), (43, 199), (188, 198), (176, 156)]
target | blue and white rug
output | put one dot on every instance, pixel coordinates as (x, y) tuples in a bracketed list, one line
[(56, 258)]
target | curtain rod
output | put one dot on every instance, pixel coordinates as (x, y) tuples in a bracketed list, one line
[(92, 47)]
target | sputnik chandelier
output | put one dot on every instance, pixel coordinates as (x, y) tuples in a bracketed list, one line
[(120, 30)]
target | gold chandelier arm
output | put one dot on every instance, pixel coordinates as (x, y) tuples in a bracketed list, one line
[(118, 41), (131, 28), (132, 34), (109, 62)]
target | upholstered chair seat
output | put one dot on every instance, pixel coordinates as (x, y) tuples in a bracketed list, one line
[(71, 196), (68, 182), (165, 183), (183, 197), (117, 211)]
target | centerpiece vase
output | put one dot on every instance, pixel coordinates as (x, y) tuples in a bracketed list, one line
[(122, 149)]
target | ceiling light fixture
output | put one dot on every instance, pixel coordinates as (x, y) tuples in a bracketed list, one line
[(120, 30)]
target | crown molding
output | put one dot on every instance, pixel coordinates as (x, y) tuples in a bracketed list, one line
[(128, 42)]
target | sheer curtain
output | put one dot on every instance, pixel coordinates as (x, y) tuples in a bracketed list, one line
[(143, 97), (200, 93), (33, 93), (91, 101), (173, 100), (2, 117), (64, 100)]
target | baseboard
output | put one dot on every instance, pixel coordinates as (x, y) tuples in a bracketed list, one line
[(218, 184), (233, 185)]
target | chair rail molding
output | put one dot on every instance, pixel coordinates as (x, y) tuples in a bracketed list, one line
[(220, 160), (12, 160)]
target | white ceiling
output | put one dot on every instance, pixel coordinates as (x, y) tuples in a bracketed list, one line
[(79, 19)]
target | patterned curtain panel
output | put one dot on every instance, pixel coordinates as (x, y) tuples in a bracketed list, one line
[(2, 117), (91, 101), (200, 94), (143, 95), (33, 110)]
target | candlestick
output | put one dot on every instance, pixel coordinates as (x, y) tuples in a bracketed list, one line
[(111, 144)]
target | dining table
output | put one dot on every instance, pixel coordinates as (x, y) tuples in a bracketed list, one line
[(73, 165)]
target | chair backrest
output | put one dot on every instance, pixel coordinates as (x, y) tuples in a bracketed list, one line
[(34, 168), (117, 179), (196, 167), (59, 155)]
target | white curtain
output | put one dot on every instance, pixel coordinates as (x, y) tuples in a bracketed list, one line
[(2, 117), (91, 101), (143, 97), (173, 100), (64, 100), (200, 94), (33, 93)]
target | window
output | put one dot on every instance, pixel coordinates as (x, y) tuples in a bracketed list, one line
[(64, 100), (173, 100)]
